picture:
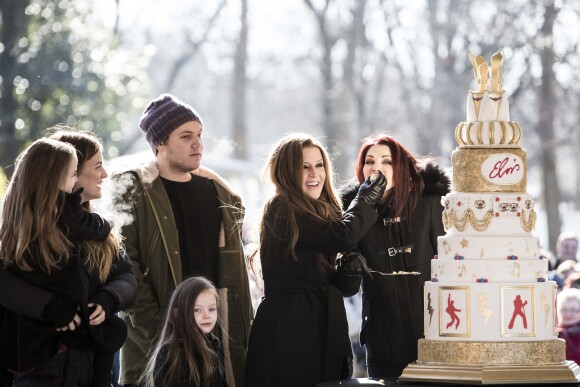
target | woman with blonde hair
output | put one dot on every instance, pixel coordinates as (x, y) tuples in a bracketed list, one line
[(300, 334)]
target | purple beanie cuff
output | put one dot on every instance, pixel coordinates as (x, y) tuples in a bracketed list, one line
[(163, 116)]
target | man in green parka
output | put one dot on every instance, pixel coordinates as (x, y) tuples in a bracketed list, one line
[(183, 220)]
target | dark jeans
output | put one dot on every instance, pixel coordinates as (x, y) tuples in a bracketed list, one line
[(6, 378), (102, 369), (116, 366), (72, 367)]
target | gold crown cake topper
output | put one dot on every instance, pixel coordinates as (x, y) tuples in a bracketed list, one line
[(487, 77), (488, 117)]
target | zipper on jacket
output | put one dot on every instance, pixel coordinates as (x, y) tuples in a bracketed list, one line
[(151, 246)]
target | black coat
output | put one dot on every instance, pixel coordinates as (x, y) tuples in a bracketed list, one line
[(29, 341), (300, 334), (392, 312), (28, 337)]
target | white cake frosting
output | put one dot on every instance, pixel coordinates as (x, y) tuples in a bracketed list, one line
[(489, 213), (492, 270), (500, 247), (488, 122)]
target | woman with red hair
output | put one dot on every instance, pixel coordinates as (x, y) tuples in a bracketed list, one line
[(398, 248)]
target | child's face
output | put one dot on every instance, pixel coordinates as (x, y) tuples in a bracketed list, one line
[(205, 311), (71, 176)]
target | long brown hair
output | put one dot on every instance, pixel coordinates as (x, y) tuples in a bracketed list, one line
[(188, 356), (407, 182), (100, 255), (29, 237), (284, 168)]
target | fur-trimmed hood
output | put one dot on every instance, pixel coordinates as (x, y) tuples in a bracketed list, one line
[(434, 178), (149, 172)]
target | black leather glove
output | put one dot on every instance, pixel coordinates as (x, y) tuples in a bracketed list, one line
[(59, 311), (353, 263), (347, 367), (371, 190)]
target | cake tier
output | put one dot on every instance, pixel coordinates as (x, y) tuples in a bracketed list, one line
[(495, 214), (492, 353), (492, 133), (482, 247), (492, 270), (489, 169), (486, 106), (456, 311)]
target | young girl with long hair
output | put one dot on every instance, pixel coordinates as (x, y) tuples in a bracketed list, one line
[(58, 326), (188, 352), (403, 240), (300, 334)]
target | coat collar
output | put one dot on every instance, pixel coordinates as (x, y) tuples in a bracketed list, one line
[(149, 172)]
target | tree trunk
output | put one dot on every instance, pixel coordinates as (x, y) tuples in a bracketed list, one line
[(239, 88), (546, 98), (13, 28), (192, 47)]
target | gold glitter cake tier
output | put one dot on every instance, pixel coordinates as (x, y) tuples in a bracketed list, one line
[(492, 352), (489, 169)]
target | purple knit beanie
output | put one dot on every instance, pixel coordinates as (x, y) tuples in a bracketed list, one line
[(163, 116)]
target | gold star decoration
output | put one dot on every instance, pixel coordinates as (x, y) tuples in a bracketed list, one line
[(464, 243)]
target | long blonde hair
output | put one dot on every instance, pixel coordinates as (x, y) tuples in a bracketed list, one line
[(188, 355), (29, 237), (100, 255), (284, 167)]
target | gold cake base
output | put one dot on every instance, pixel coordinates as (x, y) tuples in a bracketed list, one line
[(515, 362), (492, 352), (442, 373)]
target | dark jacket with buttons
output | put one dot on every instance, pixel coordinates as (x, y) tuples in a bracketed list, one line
[(393, 302)]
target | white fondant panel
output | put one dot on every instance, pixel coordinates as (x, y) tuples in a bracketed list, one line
[(492, 270), (503, 169), (493, 214), (487, 106), (456, 311), (483, 247)]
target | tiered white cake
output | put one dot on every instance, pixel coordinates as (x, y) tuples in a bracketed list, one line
[(489, 302)]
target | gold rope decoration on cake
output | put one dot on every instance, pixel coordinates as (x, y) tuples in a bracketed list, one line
[(480, 133), (452, 220), (530, 224), (491, 133)]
